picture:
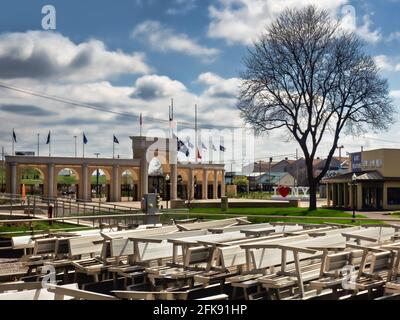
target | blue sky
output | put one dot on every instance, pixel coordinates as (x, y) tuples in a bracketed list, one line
[(137, 54)]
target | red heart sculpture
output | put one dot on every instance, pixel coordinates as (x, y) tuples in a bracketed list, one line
[(284, 191)]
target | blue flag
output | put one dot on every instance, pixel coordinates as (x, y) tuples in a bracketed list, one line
[(182, 147), (116, 140), (48, 138), (214, 148), (85, 140), (14, 136), (222, 148), (203, 146)]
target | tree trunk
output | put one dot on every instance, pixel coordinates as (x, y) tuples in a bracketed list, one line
[(313, 194), (312, 184)]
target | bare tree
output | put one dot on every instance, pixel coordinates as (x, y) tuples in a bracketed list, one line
[(307, 75)]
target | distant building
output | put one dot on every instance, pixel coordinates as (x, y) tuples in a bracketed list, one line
[(372, 182), (295, 168), (266, 181), (298, 168), (263, 166)]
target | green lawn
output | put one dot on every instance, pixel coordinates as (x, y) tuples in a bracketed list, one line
[(40, 225), (37, 225), (215, 213)]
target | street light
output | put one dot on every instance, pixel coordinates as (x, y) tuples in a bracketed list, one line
[(166, 191), (353, 184), (269, 175)]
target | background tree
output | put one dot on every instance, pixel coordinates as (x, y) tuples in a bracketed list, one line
[(242, 183), (307, 75)]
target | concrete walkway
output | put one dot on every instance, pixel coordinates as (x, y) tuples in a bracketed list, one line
[(378, 215)]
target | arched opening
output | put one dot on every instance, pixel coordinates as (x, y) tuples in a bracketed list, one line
[(198, 188), (156, 178), (182, 188), (129, 187), (68, 183), (100, 185), (32, 179)]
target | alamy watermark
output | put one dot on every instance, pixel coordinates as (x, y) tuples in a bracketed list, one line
[(49, 20)]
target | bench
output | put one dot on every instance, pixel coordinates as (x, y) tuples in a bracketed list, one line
[(224, 223), (375, 270), (301, 273), (392, 286), (33, 291)]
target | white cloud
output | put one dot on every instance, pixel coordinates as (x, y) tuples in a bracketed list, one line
[(363, 30), (393, 36), (395, 94), (48, 55), (152, 87), (219, 87), (150, 95), (387, 64), (182, 7), (161, 38), (241, 21)]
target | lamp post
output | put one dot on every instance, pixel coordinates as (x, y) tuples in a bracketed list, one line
[(269, 175), (353, 185), (167, 177)]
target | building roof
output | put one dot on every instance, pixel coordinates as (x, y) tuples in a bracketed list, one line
[(270, 178), (265, 166), (361, 177)]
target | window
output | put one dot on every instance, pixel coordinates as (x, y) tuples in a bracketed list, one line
[(393, 195)]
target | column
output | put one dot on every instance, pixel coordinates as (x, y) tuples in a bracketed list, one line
[(144, 175), (215, 185), (13, 167), (191, 184), (205, 185), (340, 194), (223, 183), (359, 197), (334, 195), (116, 188), (351, 196), (174, 181), (85, 183), (346, 195), (328, 194), (50, 178)]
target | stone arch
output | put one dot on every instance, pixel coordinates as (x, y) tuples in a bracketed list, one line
[(34, 178), (101, 192), (76, 171), (129, 184), (134, 171), (67, 184), (184, 173), (106, 171)]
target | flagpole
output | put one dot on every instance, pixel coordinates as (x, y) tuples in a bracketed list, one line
[(195, 132), (83, 146), (49, 144), (141, 123), (113, 146), (13, 147), (172, 117), (38, 145)]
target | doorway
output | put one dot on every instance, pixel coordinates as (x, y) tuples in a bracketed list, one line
[(372, 197)]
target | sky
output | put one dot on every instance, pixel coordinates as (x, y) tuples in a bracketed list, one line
[(133, 56)]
